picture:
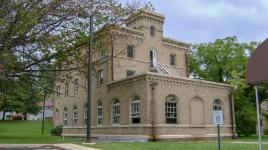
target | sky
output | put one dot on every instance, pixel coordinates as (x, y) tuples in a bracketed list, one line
[(199, 21)]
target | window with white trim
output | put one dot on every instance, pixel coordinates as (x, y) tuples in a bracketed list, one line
[(135, 110), (100, 76), (99, 114), (65, 117), (85, 114), (218, 108), (171, 109), (116, 112), (75, 116)]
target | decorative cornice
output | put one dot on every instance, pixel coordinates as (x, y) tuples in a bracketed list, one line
[(156, 77), (144, 14), (175, 44), (123, 31), (127, 81), (187, 81)]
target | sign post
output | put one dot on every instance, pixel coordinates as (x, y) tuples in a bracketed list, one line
[(218, 120), (259, 117)]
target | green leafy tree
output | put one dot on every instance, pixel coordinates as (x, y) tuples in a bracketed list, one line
[(40, 38), (225, 61)]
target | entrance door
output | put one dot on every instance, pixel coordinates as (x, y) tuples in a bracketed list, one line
[(153, 58)]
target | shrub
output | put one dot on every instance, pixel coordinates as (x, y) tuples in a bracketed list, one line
[(17, 117), (56, 131), (265, 131)]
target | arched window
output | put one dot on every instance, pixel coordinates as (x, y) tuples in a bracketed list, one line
[(171, 109), (99, 114), (217, 110), (65, 117), (197, 111), (116, 112), (152, 31), (75, 116), (135, 109), (85, 114)]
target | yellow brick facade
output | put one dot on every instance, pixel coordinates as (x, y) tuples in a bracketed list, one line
[(194, 98)]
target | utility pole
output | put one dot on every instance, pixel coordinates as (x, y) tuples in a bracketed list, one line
[(89, 81), (43, 119)]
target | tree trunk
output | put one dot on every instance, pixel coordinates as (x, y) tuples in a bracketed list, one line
[(4, 114), (24, 116)]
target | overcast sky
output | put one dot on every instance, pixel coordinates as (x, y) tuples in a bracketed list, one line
[(198, 21)]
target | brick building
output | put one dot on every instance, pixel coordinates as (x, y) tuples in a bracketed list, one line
[(142, 90)]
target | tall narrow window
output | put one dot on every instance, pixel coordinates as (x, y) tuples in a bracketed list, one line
[(130, 51), (217, 110), (66, 88), (172, 59), (58, 91), (100, 76), (65, 117), (152, 31), (135, 110), (153, 58), (171, 109), (57, 113), (116, 112), (75, 116), (99, 114), (76, 85), (85, 114)]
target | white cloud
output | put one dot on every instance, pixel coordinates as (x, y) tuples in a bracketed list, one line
[(206, 20)]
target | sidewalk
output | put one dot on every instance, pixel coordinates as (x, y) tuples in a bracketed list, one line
[(246, 142), (73, 147), (44, 147)]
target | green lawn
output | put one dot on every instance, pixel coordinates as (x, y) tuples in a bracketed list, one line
[(174, 146), (226, 144), (26, 132), (30, 132)]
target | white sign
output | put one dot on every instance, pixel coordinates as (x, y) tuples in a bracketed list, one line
[(218, 119)]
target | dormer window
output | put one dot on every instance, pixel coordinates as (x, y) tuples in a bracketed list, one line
[(152, 31)]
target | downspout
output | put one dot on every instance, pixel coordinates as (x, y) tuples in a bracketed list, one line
[(231, 98), (153, 86), (112, 58)]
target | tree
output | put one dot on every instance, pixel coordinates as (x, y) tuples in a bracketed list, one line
[(39, 38), (225, 61)]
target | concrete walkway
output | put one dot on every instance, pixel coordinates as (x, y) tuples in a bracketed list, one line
[(43, 147), (247, 142), (73, 147)]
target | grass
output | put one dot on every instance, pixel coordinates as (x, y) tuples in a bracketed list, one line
[(27, 132), (30, 132), (226, 144), (207, 145)]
